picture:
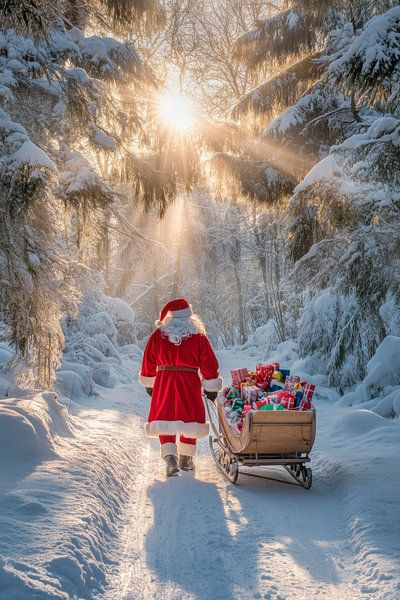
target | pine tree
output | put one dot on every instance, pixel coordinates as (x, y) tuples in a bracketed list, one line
[(345, 214), (296, 106), (338, 90), (71, 109)]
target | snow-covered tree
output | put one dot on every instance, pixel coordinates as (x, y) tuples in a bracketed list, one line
[(70, 101), (331, 103), (345, 214), (296, 106)]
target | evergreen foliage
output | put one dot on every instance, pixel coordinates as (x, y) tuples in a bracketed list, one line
[(70, 110), (342, 221), (238, 177), (282, 90), (370, 66), (308, 171)]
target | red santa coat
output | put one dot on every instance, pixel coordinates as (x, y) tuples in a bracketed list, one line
[(177, 405)]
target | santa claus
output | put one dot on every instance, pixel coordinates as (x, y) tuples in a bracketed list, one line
[(178, 362)]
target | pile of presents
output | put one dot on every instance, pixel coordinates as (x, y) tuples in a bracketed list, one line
[(267, 388)]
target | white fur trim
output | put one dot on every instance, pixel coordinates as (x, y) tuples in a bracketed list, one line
[(190, 430), (212, 385), (183, 313), (168, 448), (147, 381), (187, 449)]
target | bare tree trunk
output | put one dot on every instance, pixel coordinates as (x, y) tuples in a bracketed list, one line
[(156, 290), (262, 261), (179, 252), (242, 327), (178, 268)]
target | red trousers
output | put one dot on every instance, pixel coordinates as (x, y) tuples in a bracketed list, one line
[(185, 445)]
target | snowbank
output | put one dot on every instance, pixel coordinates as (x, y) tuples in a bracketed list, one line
[(96, 345), (380, 389), (30, 421), (19, 581), (64, 477), (29, 426), (262, 341), (64, 482)]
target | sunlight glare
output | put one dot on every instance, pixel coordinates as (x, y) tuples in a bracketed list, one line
[(177, 112)]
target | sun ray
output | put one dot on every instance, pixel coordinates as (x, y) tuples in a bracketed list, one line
[(177, 113)]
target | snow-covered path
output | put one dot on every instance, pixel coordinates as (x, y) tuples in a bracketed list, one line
[(99, 520), (198, 537)]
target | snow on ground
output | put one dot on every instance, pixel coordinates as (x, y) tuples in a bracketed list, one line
[(65, 470), (199, 537), (94, 517)]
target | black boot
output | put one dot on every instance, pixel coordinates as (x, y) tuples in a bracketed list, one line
[(186, 462), (172, 465)]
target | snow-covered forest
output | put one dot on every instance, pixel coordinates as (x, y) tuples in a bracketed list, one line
[(243, 154)]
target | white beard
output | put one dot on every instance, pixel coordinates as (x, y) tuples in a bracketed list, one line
[(177, 329)]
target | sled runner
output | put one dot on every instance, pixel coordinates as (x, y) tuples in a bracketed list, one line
[(268, 438)]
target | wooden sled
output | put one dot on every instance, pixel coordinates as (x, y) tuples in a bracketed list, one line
[(267, 438)]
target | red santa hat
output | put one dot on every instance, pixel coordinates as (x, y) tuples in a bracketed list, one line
[(178, 308)]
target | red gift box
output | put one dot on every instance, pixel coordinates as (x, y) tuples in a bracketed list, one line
[(308, 391), (238, 376), (304, 404), (265, 372), (262, 402), (260, 368), (287, 399)]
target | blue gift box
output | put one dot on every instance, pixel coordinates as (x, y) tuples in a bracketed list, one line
[(299, 397), (285, 372), (275, 386)]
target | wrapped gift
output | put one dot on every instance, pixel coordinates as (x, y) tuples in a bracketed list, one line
[(246, 409), (237, 405), (304, 404), (253, 377), (243, 385), (276, 386), (291, 382), (264, 369), (265, 374), (299, 397), (308, 390), (285, 373), (233, 392), (272, 406), (231, 415), (249, 378), (238, 375), (233, 420), (266, 400), (272, 398), (287, 399), (250, 394), (277, 375)]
